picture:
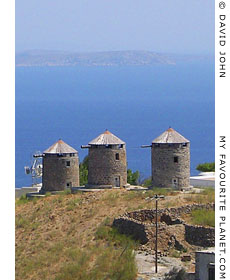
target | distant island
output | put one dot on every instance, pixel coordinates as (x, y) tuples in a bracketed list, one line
[(106, 58)]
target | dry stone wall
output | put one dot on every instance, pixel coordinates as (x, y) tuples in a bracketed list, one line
[(133, 228), (141, 225), (200, 236), (167, 214)]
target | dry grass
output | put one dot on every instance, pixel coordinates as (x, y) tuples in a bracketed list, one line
[(68, 236)]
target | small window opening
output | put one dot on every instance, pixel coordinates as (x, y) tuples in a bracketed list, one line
[(184, 145), (68, 185), (108, 146), (175, 159), (67, 163), (117, 156)]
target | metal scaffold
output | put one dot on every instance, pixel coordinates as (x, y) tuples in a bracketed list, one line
[(35, 170)]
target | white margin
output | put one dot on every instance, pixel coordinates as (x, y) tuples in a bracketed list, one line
[(222, 128), (7, 85)]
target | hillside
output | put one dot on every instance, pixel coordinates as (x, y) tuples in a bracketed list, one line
[(69, 236)]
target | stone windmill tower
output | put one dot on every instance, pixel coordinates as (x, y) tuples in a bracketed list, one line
[(107, 161), (60, 167), (170, 160)]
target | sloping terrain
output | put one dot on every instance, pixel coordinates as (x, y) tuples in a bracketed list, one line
[(69, 236)]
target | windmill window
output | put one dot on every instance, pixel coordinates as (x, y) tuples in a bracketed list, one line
[(108, 146), (67, 163), (184, 145), (175, 159), (117, 156)]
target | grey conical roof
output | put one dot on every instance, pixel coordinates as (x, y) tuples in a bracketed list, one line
[(60, 147), (106, 138), (170, 136)]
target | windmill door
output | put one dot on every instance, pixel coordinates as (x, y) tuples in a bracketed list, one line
[(117, 181), (175, 183)]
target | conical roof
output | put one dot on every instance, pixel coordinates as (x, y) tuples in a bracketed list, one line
[(60, 147), (106, 138), (170, 136)]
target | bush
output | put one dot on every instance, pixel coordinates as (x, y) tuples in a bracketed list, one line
[(206, 167), (83, 171), (133, 177), (148, 182), (176, 274)]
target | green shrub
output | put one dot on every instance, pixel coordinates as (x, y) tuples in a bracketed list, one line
[(148, 182), (133, 177), (206, 167), (83, 171), (175, 254)]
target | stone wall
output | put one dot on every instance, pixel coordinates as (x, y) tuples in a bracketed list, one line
[(141, 224), (167, 215), (58, 171), (200, 236), (165, 170), (105, 168), (135, 229)]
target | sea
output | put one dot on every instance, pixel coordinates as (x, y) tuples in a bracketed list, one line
[(136, 103)]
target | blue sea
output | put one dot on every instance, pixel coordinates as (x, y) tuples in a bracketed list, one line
[(136, 103)]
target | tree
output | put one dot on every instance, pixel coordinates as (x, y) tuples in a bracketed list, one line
[(176, 274), (206, 167), (83, 171), (133, 177)]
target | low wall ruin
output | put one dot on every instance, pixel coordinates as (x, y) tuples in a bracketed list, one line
[(141, 225), (200, 236)]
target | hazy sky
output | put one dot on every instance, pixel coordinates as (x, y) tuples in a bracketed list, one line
[(180, 26)]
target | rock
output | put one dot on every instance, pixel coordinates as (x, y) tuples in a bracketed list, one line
[(186, 258)]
